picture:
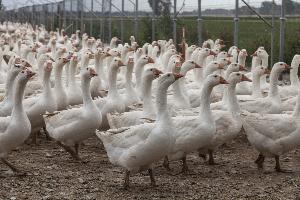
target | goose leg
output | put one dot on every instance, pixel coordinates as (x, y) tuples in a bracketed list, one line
[(151, 174), (260, 161), (211, 160), (202, 155), (277, 166), (13, 168), (76, 149), (126, 179), (166, 164), (69, 150), (47, 134), (185, 168)]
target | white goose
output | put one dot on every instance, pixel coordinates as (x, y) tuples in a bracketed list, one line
[(228, 123), (37, 106), (6, 105), (131, 118), (146, 143), (59, 91), (272, 134), (70, 127), (114, 102), (195, 132), (16, 128), (272, 103)]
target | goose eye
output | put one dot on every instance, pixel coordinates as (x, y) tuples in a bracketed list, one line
[(22, 72), (215, 76), (280, 63), (151, 69), (262, 68), (168, 75), (87, 68), (237, 74)]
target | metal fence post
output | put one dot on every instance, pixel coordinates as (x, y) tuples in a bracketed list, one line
[(236, 23), (153, 19), (82, 28), (272, 33), (174, 22), (91, 22), (102, 21), (64, 14), (122, 21), (282, 31), (110, 20), (199, 20), (136, 19)]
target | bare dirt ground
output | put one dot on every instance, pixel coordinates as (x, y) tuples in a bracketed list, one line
[(53, 175)]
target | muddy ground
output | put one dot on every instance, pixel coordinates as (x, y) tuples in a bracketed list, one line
[(52, 174)]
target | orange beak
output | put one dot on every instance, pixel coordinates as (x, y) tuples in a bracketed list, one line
[(228, 62), (286, 66), (66, 60), (107, 54), (223, 81), (229, 55), (245, 78), (245, 53), (49, 66), (157, 72), (91, 56), (120, 63), (150, 60), (49, 50), (30, 73), (93, 73), (178, 76), (254, 54), (220, 66), (267, 71), (197, 66), (242, 68), (212, 53)]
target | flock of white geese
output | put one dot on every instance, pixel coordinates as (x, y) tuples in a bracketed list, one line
[(145, 103)]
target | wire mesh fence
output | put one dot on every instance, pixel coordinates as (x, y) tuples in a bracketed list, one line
[(201, 19)]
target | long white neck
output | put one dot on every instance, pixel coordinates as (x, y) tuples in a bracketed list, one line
[(256, 91), (273, 91), (128, 76), (25, 54), (163, 116), (72, 68), (85, 61), (209, 70), (86, 94), (205, 111), (255, 62), (139, 68), (58, 74), (10, 79), (112, 82), (46, 84), (294, 74), (148, 107), (18, 110), (40, 64), (99, 67), (232, 102), (264, 62), (242, 60), (198, 73)]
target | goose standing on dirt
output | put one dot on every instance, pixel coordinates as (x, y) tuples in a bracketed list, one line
[(70, 127), (15, 129), (138, 147)]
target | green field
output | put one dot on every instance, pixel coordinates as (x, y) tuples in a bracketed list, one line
[(252, 32)]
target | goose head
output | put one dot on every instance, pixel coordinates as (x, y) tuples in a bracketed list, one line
[(243, 53), (167, 79), (296, 60), (145, 60), (151, 73), (280, 67), (88, 72), (74, 59), (16, 69), (207, 52), (116, 63), (139, 52), (214, 79), (237, 77), (260, 70), (99, 53), (214, 65), (188, 65), (48, 65), (25, 75), (61, 61), (30, 48), (114, 52), (235, 67)]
